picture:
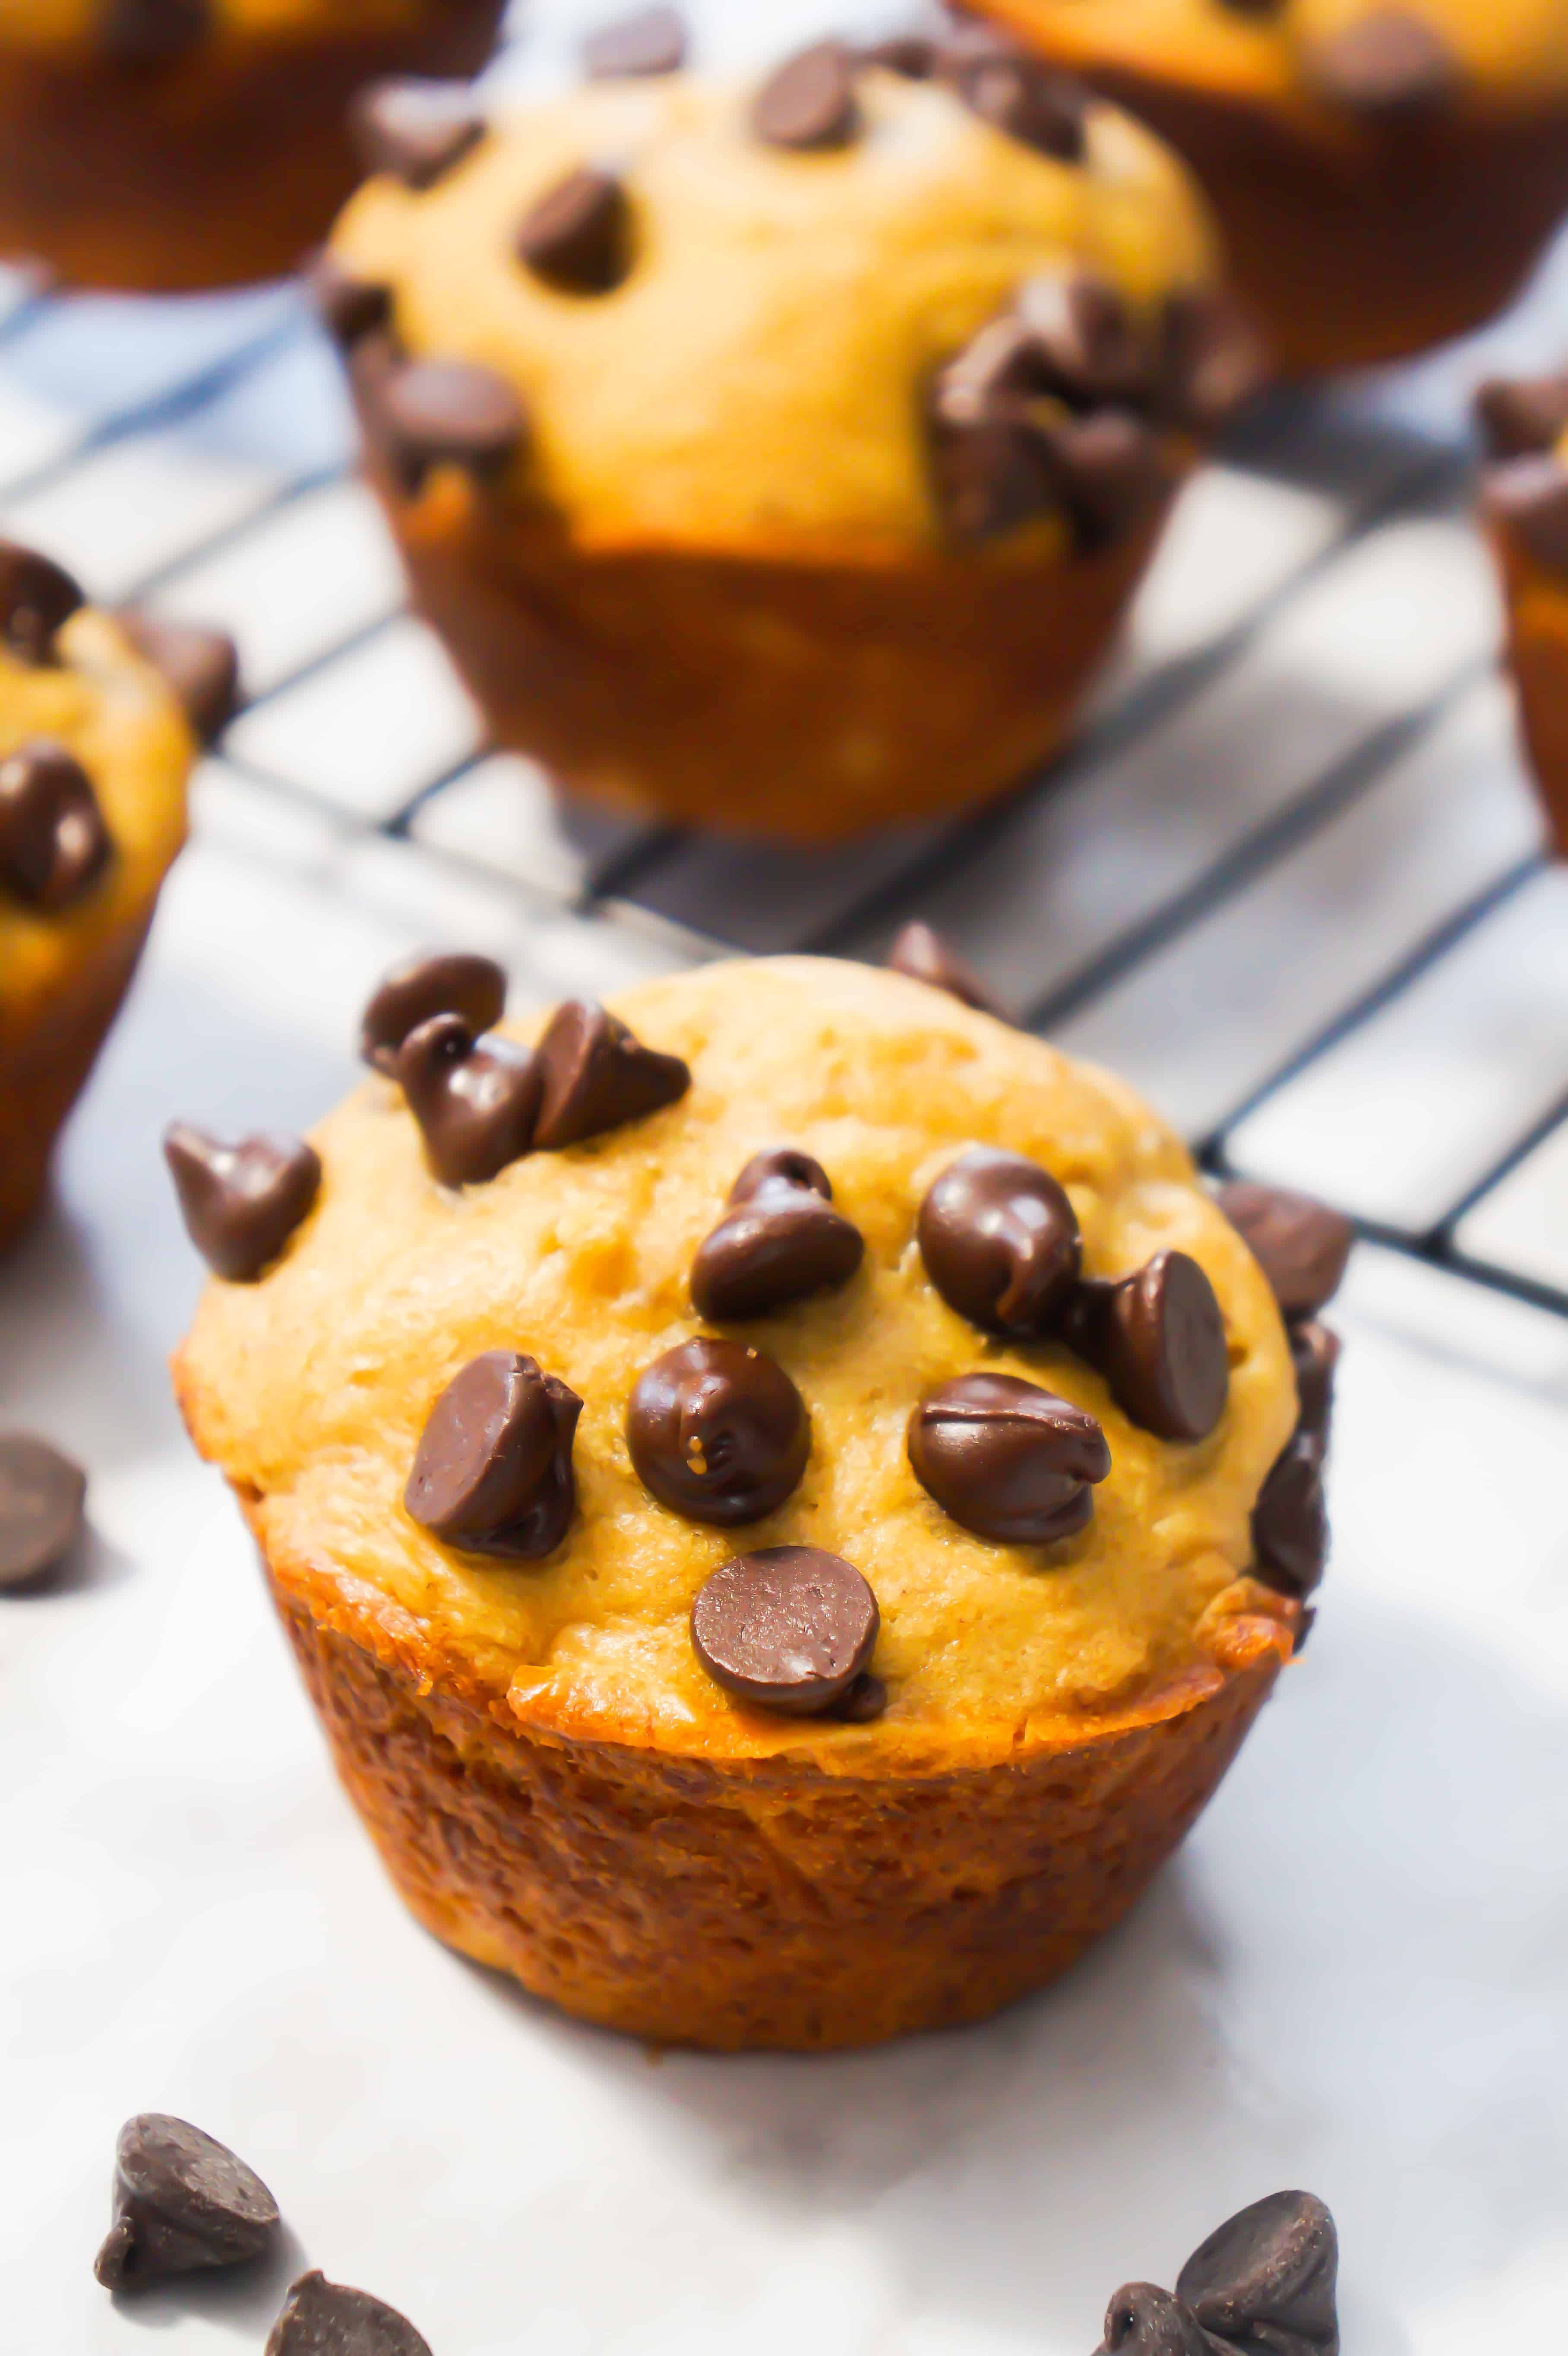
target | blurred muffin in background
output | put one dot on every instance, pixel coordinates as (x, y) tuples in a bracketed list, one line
[(1524, 502), (165, 145), (781, 455)]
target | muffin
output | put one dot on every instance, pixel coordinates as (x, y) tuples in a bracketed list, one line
[(163, 145), (97, 734), (1524, 503), (766, 1488), (1384, 171), (781, 457)]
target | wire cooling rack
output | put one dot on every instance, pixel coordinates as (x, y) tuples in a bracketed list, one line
[(1290, 880)]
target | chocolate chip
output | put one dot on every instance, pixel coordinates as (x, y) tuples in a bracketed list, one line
[(1300, 1244), (54, 844), (999, 1239), (201, 667), (1109, 473), (241, 1203), (181, 2202), (1314, 1354), (652, 42), (1082, 343), (1523, 417), (1290, 1519), (493, 1470), (35, 598), (866, 1700), (1014, 92), (1209, 360), (808, 102), (788, 1628), (448, 412), (475, 1100), (417, 130), (348, 308), (1158, 1339), (910, 55), (1389, 67), (1144, 2321), (323, 2318), (717, 1433), (988, 479), (1528, 498), (1008, 1460), (781, 1241), (147, 32), (577, 237), (1266, 2278), (441, 981), (924, 956), (42, 1494), (596, 1074)]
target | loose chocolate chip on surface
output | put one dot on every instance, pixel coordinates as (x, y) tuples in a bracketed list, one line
[(1528, 497), (596, 1074), (35, 598), (53, 842), (475, 1100), (1144, 2321), (920, 952), (42, 1494), (1000, 1242), (241, 1203), (202, 667), (348, 308), (1008, 1460), (912, 55), (1300, 1244), (448, 412), (442, 981), (577, 236), (717, 1433), (146, 32), (1389, 67), (788, 1628), (784, 1165), (1014, 92), (781, 1241), (809, 103), (1158, 1338), (493, 1470), (1290, 1519), (323, 2318), (181, 2202), (1266, 2278), (651, 42), (1522, 416), (417, 130), (1315, 1352)]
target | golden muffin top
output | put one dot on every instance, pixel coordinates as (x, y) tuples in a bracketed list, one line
[(95, 752), (792, 1266), (786, 316), (143, 32)]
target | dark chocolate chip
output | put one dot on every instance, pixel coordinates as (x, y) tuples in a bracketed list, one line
[(1008, 1460), (475, 1100), (781, 1165), (1300, 1244), (1522, 416), (789, 1628), (577, 237), (1014, 92), (1209, 360), (866, 1700), (448, 412), (809, 103), (1000, 1242), (923, 955), (1315, 1352), (652, 42), (493, 1470), (1109, 472), (1144, 2321), (596, 1074), (988, 479), (1082, 343), (35, 598), (323, 2318), (149, 32), (1266, 2278), (202, 667), (441, 981), (910, 55), (781, 1241), (417, 130), (241, 1203), (1158, 1339), (181, 2202), (348, 308), (1290, 1519), (42, 1494), (1528, 498), (1389, 67), (54, 844), (717, 1433)]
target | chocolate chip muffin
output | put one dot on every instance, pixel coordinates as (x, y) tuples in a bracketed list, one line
[(769, 1488), (1524, 504), (1385, 171), (97, 737), (779, 456), (172, 145)]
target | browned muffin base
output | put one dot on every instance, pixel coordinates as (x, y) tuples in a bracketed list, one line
[(1537, 602), (216, 171)]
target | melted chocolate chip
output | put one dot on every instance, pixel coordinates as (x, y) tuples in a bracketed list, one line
[(1523, 417), (1389, 67), (42, 1494), (1158, 1339), (1209, 360), (577, 237), (789, 1628), (54, 844), (442, 981), (781, 1241), (1266, 2278), (1008, 1460), (1290, 1519), (324, 2318), (652, 42), (35, 599), (1144, 2321), (417, 130), (493, 1470), (1528, 498), (717, 1433), (808, 102), (475, 1100), (181, 2202), (241, 1203), (447, 412), (1300, 1244), (348, 308), (781, 1165), (596, 1074), (1014, 92), (1314, 1354), (999, 1239), (151, 32), (922, 955), (201, 667)]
